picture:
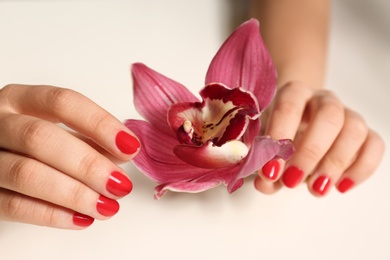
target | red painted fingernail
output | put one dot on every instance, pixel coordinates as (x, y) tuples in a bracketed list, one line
[(107, 207), (271, 169), (127, 143), (292, 176), (118, 184), (345, 185), (82, 220), (321, 185)]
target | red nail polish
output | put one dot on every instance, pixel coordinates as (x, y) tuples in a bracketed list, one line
[(271, 170), (107, 207), (321, 185), (127, 143), (345, 185), (292, 177), (118, 184), (82, 220)]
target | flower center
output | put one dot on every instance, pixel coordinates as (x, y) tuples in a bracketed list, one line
[(211, 131)]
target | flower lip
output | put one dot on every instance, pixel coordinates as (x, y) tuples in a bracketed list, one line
[(222, 116), (210, 156)]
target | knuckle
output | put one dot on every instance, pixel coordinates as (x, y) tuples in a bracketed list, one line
[(21, 174), (49, 216), (287, 108), (60, 98), (89, 165), (335, 162), (356, 127), (101, 122), (5, 92), (332, 110), (311, 152), (34, 135), (76, 196), (378, 142), (13, 208)]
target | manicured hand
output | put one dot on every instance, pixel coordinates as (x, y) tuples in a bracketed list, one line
[(334, 146), (58, 177)]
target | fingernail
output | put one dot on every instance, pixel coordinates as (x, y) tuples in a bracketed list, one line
[(82, 220), (321, 184), (107, 207), (118, 184), (127, 143), (345, 185), (271, 169), (292, 177)]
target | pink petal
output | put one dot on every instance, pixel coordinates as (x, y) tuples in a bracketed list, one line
[(222, 116), (156, 158), (251, 132), (263, 149), (191, 187), (243, 61), (210, 156), (154, 94)]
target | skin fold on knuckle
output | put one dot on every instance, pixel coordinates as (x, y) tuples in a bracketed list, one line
[(75, 196), (33, 134), (89, 165), (58, 100), (12, 207), (21, 175), (332, 111), (334, 164), (356, 127), (100, 122), (311, 152), (5, 94)]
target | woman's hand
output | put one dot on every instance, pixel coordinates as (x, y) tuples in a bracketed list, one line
[(56, 177), (334, 146)]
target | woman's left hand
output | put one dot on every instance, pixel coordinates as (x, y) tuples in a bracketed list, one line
[(334, 145)]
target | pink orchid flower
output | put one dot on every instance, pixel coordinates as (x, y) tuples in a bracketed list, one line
[(191, 145)]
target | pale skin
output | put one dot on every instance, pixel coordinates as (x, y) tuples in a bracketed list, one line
[(56, 177), (66, 178), (334, 145)]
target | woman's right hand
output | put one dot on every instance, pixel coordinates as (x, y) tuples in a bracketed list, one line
[(53, 176)]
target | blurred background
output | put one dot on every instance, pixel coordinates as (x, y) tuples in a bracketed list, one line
[(89, 45)]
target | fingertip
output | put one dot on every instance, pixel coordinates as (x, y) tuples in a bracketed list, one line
[(270, 170), (107, 207), (127, 143), (345, 185), (119, 184), (266, 187), (82, 221)]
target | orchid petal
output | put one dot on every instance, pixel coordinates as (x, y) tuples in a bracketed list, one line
[(210, 156), (156, 158), (263, 149), (252, 131), (243, 61), (191, 187), (154, 94)]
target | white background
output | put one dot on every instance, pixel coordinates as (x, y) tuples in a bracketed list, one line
[(89, 46)]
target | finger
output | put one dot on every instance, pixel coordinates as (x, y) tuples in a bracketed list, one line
[(284, 120), (267, 187), (325, 119), (54, 146), (365, 164), (340, 155), (20, 208), (35, 179), (77, 112)]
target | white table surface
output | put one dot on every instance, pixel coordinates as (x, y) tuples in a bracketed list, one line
[(89, 46)]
